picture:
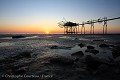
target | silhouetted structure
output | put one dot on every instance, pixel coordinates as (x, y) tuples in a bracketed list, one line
[(82, 28), (73, 28), (69, 27)]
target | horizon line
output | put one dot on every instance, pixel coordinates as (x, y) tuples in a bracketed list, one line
[(61, 33)]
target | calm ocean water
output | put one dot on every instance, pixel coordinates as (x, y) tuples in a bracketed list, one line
[(109, 37)]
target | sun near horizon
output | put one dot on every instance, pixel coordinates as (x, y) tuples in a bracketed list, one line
[(42, 16), (47, 32)]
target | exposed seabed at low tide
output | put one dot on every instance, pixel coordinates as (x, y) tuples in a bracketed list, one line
[(56, 57)]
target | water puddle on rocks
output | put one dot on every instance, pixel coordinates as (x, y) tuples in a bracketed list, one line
[(103, 52)]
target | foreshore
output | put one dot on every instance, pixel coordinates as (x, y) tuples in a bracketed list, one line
[(49, 58)]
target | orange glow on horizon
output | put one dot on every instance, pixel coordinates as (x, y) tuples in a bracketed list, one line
[(49, 29), (47, 32), (29, 29)]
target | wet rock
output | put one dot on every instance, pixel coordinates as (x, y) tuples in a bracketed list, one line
[(78, 54), (81, 45), (111, 45), (103, 68), (25, 54), (76, 38), (62, 61), (19, 65), (117, 59), (111, 59), (92, 63), (92, 51), (54, 47), (20, 71), (76, 60), (87, 50), (59, 47), (6, 61), (103, 45), (64, 47), (34, 55), (90, 47), (22, 55), (108, 72), (116, 51), (18, 36)]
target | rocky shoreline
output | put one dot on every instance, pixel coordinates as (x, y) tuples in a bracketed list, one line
[(24, 66)]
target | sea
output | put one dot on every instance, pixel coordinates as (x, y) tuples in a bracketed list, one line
[(40, 44)]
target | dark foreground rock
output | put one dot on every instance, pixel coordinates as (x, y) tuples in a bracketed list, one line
[(25, 54), (92, 51), (81, 45), (93, 62), (107, 72), (116, 51), (54, 47), (6, 61), (76, 38), (62, 61), (103, 45), (78, 54), (90, 47), (112, 45), (20, 71), (65, 68), (117, 59), (59, 47)]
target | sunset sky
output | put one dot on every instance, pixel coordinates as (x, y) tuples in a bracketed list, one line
[(42, 16)]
